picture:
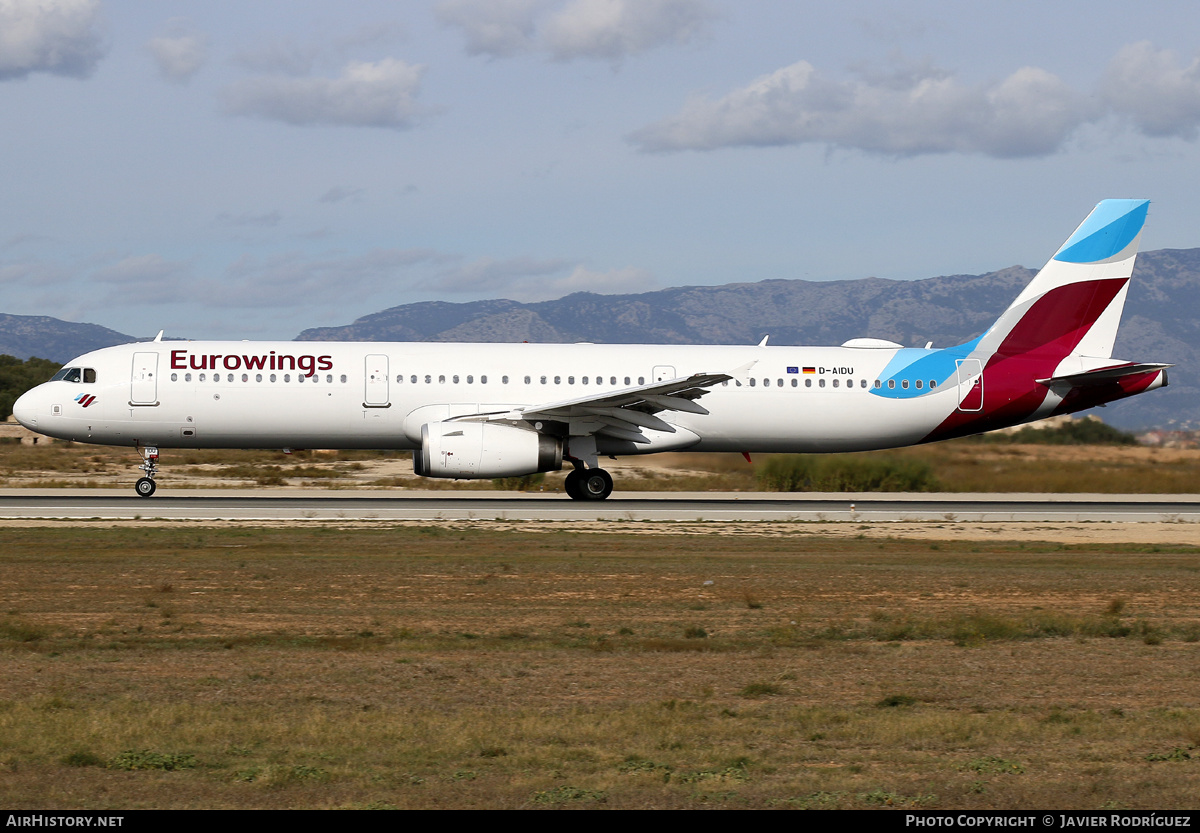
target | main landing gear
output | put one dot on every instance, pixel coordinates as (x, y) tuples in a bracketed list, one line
[(589, 484), (146, 485), (588, 481)]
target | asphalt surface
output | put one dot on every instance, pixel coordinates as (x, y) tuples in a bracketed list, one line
[(280, 505)]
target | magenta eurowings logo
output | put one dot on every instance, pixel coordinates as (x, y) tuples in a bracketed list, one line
[(85, 399)]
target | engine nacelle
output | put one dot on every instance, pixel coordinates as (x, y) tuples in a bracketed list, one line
[(471, 450)]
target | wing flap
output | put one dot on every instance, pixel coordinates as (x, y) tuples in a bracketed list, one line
[(623, 413)]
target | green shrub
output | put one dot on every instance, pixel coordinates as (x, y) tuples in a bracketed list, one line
[(845, 473), (133, 760)]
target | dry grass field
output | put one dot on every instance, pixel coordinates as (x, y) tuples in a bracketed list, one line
[(956, 466), (322, 666)]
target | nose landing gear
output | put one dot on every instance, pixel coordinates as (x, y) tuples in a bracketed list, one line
[(146, 485)]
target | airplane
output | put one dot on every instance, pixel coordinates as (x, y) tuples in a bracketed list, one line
[(505, 410)]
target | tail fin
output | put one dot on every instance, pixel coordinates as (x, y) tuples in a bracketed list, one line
[(1073, 306), (1050, 352)]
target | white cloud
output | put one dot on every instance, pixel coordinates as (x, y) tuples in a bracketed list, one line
[(906, 112), (604, 29), (179, 52), (295, 280), (612, 282), (488, 275), (340, 193), (379, 94), (499, 28), (532, 279), (1155, 90), (56, 36), (145, 279), (21, 276), (281, 56), (612, 29)]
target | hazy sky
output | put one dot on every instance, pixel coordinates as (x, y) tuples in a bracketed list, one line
[(246, 170)]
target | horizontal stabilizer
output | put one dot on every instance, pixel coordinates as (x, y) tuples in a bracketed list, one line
[(1104, 375)]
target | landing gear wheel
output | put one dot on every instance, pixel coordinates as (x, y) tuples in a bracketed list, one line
[(595, 484), (145, 487), (571, 484)]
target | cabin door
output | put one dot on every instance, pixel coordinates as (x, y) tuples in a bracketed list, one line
[(143, 389), (376, 392), (970, 385)]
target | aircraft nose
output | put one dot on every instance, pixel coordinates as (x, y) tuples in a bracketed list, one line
[(24, 409)]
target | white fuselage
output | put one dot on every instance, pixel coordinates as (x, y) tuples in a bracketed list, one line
[(379, 395)]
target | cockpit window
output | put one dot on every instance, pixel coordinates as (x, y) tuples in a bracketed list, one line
[(75, 374)]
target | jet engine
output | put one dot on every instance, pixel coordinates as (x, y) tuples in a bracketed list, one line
[(470, 450)]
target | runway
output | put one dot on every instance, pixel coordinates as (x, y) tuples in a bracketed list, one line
[(285, 505)]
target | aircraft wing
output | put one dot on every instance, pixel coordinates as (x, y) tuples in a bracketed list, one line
[(624, 413)]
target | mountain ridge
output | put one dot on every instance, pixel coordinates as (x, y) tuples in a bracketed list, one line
[(1161, 322)]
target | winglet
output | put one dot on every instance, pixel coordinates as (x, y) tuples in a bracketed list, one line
[(763, 343), (159, 336)]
